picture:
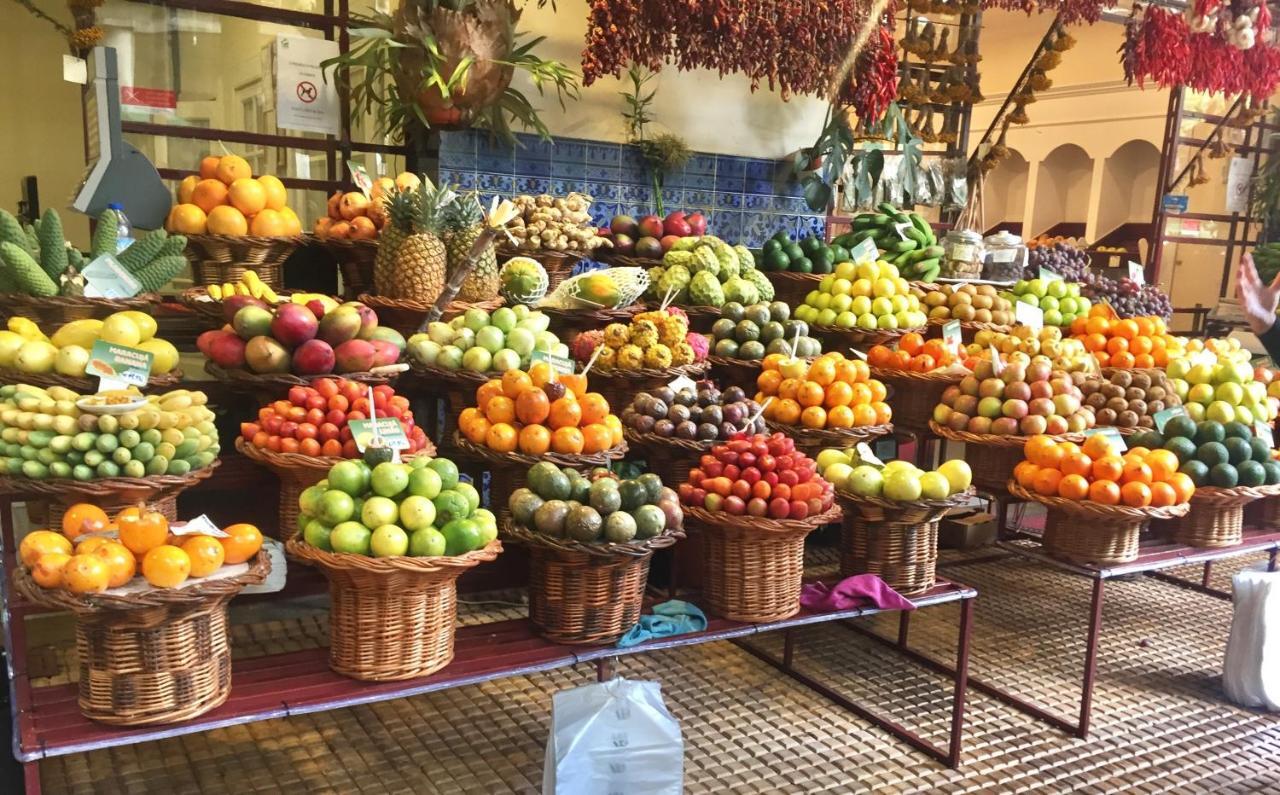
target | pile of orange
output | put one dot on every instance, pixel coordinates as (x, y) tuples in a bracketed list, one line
[(226, 199), (1099, 472), (95, 552), (538, 412), (1128, 342), (829, 392), (914, 353)]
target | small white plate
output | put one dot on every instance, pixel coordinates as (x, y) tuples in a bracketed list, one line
[(88, 406)]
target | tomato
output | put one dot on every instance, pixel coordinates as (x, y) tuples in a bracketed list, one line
[(309, 447), (273, 444), (272, 425), (327, 431), (298, 395), (297, 413), (782, 490), (314, 416), (331, 447), (249, 430), (356, 415), (306, 431), (339, 403), (325, 387), (400, 401), (316, 402), (351, 390), (289, 445), (385, 391), (344, 434)]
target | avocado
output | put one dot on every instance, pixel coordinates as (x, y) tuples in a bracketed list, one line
[(1261, 452), (1224, 476), (1237, 430), (1180, 426), (1197, 471), (1208, 431), (1212, 454), (1180, 446), (1251, 473)]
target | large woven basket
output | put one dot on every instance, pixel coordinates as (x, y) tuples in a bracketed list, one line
[(507, 471), (297, 473), (915, 395), (207, 311), (812, 441), (270, 386), (1082, 531), (1216, 518), (667, 457), (159, 656), (405, 314), (620, 387), (157, 492), (390, 618), (586, 593), (216, 259), (753, 567), (58, 309), (992, 457), (557, 264), (83, 384), (355, 263), (897, 541)]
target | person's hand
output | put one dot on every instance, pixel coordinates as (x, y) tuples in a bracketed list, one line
[(1258, 300)]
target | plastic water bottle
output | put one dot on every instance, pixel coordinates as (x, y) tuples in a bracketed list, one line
[(124, 235)]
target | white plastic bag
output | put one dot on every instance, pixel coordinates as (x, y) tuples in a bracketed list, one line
[(1251, 670), (613, 737)]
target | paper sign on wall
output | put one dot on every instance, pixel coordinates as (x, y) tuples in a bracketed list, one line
[(1239, 176), (305, 100)]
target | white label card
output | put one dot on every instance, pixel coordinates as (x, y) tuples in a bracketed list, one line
[(279, 569), (1263, 431), (865, 251), (1028, 315), (1047, 275), (859, 354), (360, 176), (683, 382), (306, 97), (202, 525), (997, 364), (105, 277), (866, 454), (1137, 273), (952, 336)]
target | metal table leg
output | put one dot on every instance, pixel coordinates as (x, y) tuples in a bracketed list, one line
[(1091, 658)]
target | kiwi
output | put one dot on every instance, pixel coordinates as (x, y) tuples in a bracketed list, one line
[(1121, 378)]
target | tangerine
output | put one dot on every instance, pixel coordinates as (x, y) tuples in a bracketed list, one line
[(121, 564), (207, 194), (532, 406), (1136, 471), (575, 383), (1182, 485), (822, 372), (1108, 467), (1162, 494), (166, 567), (187, 219), (487, 391), (814, 417), (1025, 474), (1076, 463), (839, 393), (206, 554), (840, 417), (516, 383), (48, 568), (1073, 487), (1105, 492), (1047, 480), (1136, 494), (231, 168), (567, 440), (596, 438), (500, 409), (1124, 359), (502, 437), (1043, 451), (785, 411), (810, 393), (1097, 446), (847, 371), (789, 388), (534, 439), (242, 542), (768, 381), (594, 408), (273, 190), (224, 220), (564, 413), (41, 542), (1163, 463), (85, 574)]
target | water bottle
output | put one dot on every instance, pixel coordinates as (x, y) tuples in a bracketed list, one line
[(124, 236)]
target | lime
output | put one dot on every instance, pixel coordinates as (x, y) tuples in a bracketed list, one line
[(450, 505), (447, 470), (460, 536), (1224, 476), (1251, 473), (1212, 454)]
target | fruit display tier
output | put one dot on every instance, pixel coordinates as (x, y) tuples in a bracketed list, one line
[(216, 259), (355, 262), (1216, 518), (56, 310), (752, 566), (83, 384), (393, 617), (811, 440), (296, 472), (1083, 531), (209, 311), (619, 386), (567, 322), (668, 456), (896, 541), (151, 655), (509, 469), (586, 593), (791, 288), (274, 383), (992, 457), (915, 394), (557, 264), (158, 492), (969, 328), (405, 315), (834, 337)]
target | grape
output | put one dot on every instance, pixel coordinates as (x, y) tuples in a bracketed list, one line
[(1127, 297), (1065, 260)]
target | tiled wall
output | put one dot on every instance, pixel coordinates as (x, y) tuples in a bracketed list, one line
[(745, 199)]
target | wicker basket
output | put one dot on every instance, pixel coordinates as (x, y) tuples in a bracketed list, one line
[(897, 541), (84, 384), (991, 457), (297, 473), (620, 387), (567, 322), (216, 259), (208, 311), (159, 656), (58, 309), (737, 372), (507, 471), (355, 263), (157, 492), (915, 395), (557, 264), (405, 314), (753, 567), (812, 441), (586, 593), (667, 457), (968, 328), (1082, 531), (836, 338), (1216, 518), (390, 618), (273, 385), (791, 288)]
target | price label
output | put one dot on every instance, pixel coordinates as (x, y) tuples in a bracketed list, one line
[(105, 277), (1161, 418), (118, 366), (360, 176), (1263, 431), (865, 251), (202, 525), (388, 430), (1028, 315), (683, 382), (1047, 275), (1137, 273), (867, 455), (952, 336), (858, 353), (561, 364), (1113, 436), (997, 364)]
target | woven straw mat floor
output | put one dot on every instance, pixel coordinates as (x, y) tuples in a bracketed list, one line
[(1160, 722)]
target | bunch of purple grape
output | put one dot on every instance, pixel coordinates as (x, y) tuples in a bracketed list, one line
[(1067, 261), (1127, 297)]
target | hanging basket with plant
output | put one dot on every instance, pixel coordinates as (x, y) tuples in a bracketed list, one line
[(448, 64)]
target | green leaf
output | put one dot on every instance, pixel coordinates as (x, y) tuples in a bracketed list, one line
[(817, 194), (874, 159)]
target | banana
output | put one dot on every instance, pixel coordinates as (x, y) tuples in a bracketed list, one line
[(269, 295), (214, 291)]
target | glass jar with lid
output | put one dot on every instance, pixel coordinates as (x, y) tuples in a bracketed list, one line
[(1006, 257), (962, 255)]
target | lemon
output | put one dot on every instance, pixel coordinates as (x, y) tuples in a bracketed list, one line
[(146, 323), (11, 342), (120, 330), (860, 287), (164, 355), (36, 356), (71, 360), (868, 270), (81, 333), (884, 288)]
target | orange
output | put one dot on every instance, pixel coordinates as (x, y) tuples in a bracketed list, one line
[(1163, 494), (1097, 325), (1182, 485), (121, 564), (1145, 327), (785, 411), (142, 531), (772, 362), (1076, 463), (1105, 492), (224, 220), (937, 349), (1136, 494), (911, 342), (567, 440), (242, 542), (596, 438), (810, 394), (292, 224), (839, 394), (500, 409), (90, 545), (1043, 451), (847, 371), (186, 219), (208, 193), (814, 417), (768, 381), (48, 568), (1047, 481), (275, 194), (1108, 467), (1117, 345), (516, 382), (615, 429), (594, 408), (209, 167), (789, 388), (267, 223), (247, 196), (860, 394), (474, 427), (206, 555), (840, 417), (186, 187), (883, 412), (1025, 474), (864, 415), (1135, 471), (1078, 326), (501, 436), (878, 392), (1144, 360), (1097, 446), (1139, 345), (1095, 342), (822, 371), (1163, 463), (534, 439), (1127, 329), (166, 567), (564, 413), (1073, 487), (1124, 359), (233, 167), (1103, 358), (85, 574), (861, 369), (532, 406), (41, 542), (880, 356), (488, 390)]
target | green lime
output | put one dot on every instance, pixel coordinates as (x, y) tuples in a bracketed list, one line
[(1224, 476), (1196, 470), (1212, 454), (1208, 431)]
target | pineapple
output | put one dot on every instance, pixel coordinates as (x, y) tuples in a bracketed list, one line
[(414, 267), (462, 223)]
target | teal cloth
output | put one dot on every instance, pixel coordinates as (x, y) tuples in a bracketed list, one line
[(675, 617)]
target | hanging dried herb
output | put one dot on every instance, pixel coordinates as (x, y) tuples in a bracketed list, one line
[(1071, 11)]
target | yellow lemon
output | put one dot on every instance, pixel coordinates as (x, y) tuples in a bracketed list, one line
[(119, 329), (164, 355), (146, 323)]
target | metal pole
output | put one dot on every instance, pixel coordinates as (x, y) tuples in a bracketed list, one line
[(1091, 658)]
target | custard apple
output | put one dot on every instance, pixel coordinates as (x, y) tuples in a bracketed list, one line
[(764, 287), (741, 290), (746, 260), (685, 243), (706, 261), (675, 280), (726, 255), (704, 289), (674, 257), (655, 274)]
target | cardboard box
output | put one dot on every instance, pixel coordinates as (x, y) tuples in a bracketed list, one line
[(966, 529)]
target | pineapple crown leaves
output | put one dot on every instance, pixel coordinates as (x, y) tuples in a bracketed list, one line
[(420, 211), (464, 213)]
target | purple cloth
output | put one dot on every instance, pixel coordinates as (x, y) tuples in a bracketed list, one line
[(860, 590)]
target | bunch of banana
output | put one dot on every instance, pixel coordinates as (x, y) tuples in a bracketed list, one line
[(250, 284), (904, 238), (327, 301)]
